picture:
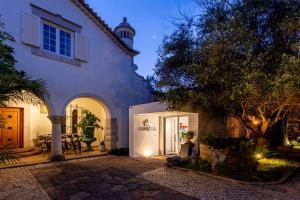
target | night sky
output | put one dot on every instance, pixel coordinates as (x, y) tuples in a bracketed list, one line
[(152, 19)]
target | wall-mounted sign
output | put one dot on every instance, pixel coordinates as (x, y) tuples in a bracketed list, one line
[(147, 126)]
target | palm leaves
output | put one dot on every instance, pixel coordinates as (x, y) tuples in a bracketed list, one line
[(21, 88), (8, 155), (16, 85)]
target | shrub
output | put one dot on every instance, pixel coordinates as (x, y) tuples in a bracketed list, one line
[(188, 135), (203, 165), (222, 168), (222, 142)]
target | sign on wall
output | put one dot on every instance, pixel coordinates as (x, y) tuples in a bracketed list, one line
[(146, 135), (147, 126)]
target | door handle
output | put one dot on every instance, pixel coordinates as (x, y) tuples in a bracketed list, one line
[(9, 128)]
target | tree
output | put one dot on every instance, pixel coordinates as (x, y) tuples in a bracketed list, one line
[(17, 85), (238, 56)]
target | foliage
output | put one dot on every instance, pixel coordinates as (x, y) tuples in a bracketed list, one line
[(262, 150), (200, 165), (89, 120), (17, 85), (119, 151), (218, 142), (203, 165), (152, 84), (188, 134), (214, 141), (240, 56), (8, 155), (268, 170)]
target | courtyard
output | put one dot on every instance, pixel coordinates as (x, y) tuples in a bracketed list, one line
[(112, 177)]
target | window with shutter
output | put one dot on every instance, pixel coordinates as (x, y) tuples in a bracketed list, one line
[(57, 39)]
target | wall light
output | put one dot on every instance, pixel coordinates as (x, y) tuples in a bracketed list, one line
[(258, 155), (147, 153)]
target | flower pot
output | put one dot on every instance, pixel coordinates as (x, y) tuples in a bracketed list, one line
[(102, 148), (88, 137)]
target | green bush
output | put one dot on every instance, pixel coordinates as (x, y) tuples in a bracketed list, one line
[(203, 165), (222, 142), (188, 135), (200, 165), (222, 168)]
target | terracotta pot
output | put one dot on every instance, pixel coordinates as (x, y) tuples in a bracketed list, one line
[(102, 148)]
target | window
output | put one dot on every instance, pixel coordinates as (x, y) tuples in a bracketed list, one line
[(64, 43), (57, 40), (49, 38)]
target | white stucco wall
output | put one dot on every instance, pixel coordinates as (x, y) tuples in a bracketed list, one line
[(146, 142), (108, 75), (151, 143), (34, 122)]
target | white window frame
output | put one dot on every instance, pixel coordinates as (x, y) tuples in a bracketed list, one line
[(57, 29)]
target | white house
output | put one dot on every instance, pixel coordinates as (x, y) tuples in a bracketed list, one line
[(85, 63)]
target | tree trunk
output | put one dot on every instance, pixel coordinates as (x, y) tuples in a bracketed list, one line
[(285, 138)]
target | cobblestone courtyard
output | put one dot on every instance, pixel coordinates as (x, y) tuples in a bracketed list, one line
[(110, 177)]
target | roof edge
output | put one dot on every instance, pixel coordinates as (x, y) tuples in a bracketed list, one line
[(83, 6)]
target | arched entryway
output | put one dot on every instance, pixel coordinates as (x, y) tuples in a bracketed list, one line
[(70, 115), (74, 113)]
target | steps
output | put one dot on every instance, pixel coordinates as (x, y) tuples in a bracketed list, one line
[(29, 151)]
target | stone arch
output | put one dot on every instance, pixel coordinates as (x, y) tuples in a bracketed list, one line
[(97, 98), (111, 124), (49, 106)]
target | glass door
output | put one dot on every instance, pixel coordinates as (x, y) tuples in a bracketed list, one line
[(171, 135)]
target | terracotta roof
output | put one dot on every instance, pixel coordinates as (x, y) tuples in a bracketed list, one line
[(107, 29)]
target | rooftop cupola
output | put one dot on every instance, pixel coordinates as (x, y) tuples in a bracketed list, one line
[(125, 31)]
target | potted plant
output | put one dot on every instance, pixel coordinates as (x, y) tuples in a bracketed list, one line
[(188, 135), (88, 124)]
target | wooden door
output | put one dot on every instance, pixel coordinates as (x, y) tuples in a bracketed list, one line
[(12, 133)]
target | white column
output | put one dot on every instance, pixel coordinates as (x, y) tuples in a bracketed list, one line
[(56, 144)]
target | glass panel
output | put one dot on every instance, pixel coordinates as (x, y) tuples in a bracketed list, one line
[(52, 49), (171, 131), (49, 38), (46, 47), (65, 43), (183, 127)]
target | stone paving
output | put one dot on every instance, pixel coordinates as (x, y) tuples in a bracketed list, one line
[(111, 177), (204, 187), (20, 184)]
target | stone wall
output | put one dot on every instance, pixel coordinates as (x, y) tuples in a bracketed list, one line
[(213, 156)]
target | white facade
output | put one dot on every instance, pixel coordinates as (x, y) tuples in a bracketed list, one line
[(100, 67), (153, 130)]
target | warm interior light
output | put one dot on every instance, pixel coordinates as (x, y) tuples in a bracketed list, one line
[(255, 122), (147, 153), (258, 156)]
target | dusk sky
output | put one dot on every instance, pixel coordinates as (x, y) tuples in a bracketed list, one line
[(152, 19)]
